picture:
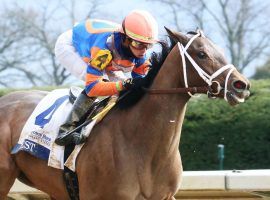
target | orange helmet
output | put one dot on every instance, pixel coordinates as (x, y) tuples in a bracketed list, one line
[(141, 26)]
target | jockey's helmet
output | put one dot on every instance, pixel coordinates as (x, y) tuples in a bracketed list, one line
[(141, 26)]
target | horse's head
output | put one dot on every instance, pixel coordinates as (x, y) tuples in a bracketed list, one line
[(204, 64)]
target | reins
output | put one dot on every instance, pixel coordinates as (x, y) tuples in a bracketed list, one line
[(193, 90)]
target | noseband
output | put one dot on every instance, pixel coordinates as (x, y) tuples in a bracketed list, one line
[(204, 75)]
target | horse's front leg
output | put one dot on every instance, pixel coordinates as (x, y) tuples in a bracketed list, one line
[(8, 168), (8, 174)]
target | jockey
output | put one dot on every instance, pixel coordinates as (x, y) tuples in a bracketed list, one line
[(95, 48)]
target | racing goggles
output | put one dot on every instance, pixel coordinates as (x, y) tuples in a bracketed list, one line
[(140, 45)]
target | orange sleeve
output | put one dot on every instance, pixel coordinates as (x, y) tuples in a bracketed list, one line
[(95, 86), (142, 69), (102, 88)]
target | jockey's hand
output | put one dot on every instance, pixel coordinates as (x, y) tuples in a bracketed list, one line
[(133, 83)]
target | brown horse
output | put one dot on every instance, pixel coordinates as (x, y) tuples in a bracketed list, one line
[(133, 153)]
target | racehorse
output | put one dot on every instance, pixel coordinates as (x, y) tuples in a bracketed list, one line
[(132, 154)]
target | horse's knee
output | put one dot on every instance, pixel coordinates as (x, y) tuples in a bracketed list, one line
[(8, 173), (4, 192), (5, 186), (3, 196), (7, 166)]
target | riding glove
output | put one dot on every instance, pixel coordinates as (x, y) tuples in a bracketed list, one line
[(133, 83)]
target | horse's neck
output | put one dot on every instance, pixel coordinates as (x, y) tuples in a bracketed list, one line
[(162, 120), (160, 116)]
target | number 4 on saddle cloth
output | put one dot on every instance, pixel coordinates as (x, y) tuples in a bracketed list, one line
[(42, 127)]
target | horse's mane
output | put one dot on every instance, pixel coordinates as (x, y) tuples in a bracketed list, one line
[(129, 98)]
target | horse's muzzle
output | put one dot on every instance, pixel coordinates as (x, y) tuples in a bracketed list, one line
[(240, 86), (238, 93)]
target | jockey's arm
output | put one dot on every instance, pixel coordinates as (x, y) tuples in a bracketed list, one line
[(141, 68), (95, 86), (66, 54)]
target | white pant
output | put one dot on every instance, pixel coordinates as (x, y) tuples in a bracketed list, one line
[(66, 54)]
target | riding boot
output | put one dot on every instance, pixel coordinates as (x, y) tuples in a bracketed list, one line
[(78, 114)]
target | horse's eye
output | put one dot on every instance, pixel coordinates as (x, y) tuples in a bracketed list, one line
[(201, 55)]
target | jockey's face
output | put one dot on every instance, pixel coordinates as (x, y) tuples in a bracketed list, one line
[(138, 48), (139, 53), (139, 45)]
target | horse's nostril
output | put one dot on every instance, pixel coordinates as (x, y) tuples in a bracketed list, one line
[(239, 85)]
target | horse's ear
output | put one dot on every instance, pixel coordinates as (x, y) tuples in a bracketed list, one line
[(177, 36)]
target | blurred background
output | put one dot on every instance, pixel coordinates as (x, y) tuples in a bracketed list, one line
[(29, 29)]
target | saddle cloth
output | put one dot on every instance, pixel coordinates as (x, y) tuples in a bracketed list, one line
[(41, 129)]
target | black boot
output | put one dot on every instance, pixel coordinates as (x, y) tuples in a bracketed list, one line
[(78, 113)]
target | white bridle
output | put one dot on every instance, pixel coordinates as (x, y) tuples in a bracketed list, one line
[(206, 77)]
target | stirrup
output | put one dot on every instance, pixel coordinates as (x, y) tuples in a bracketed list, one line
[(70, 138), (64, 139)]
